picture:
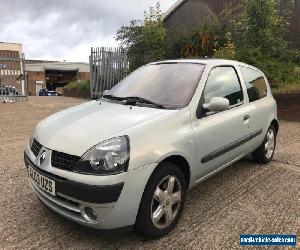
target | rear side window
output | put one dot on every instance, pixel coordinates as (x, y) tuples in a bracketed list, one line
[(223, 82), (255, 83)]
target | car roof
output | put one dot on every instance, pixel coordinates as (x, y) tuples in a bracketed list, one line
[(207, 61)]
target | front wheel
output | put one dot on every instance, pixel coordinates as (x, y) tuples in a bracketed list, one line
[(162, 202), (266, 150)]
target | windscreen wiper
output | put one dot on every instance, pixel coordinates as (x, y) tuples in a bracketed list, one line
[(135, 99), (112, 97)]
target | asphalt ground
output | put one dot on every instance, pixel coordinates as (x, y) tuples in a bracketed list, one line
[(245, 198)]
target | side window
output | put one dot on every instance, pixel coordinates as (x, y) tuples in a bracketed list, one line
[(223, 82), (255, 83)]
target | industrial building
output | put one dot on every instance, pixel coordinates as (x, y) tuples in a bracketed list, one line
[(12, 72), (30, 76), (53, 75), (186, 15)]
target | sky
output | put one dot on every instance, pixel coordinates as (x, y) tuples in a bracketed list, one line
[(66, 29)]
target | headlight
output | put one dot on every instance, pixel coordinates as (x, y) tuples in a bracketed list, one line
[(108, 157)]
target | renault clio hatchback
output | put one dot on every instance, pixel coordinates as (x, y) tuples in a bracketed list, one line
[(129, 158)]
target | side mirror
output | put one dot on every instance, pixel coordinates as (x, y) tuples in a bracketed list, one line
[(217, 104)]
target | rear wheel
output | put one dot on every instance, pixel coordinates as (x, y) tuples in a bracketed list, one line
[(265, 152), (163, 201)]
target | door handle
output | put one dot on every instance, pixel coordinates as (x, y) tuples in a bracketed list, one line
[(246, 117)]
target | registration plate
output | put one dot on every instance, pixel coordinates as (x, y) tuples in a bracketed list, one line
[(42, 181)]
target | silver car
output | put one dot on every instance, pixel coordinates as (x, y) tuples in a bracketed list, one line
[(129, 158)]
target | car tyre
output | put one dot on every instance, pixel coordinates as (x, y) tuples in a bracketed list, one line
[(162, 202), (265, 152)]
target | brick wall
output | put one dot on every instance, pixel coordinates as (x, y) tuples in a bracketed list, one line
[(83, 76), (10, 68), (32, 77)]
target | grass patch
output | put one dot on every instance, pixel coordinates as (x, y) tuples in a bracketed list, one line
[(80, 85), (79, 88)]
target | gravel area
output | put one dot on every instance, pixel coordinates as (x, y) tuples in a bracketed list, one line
[(243, 199)]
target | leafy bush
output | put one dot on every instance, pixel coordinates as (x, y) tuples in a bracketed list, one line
[(202, 41), (263, 25), (278, 72), (79, 88), (228, 50), (208, 39), (258, 38), (290, 55)]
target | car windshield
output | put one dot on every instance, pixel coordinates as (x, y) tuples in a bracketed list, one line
[(169, 84)]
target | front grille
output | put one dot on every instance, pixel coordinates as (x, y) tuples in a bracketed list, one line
[(35, 147), (28, 162), (63, 161)]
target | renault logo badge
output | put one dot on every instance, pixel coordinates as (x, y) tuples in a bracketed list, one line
[(42, 158)]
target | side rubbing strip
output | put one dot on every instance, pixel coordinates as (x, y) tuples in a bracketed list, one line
[(230, 146)]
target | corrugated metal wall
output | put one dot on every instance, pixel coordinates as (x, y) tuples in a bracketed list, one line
[(294, 33), (192, 13)]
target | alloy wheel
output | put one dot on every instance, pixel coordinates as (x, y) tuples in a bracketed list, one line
[(166, 202), (270, 144)]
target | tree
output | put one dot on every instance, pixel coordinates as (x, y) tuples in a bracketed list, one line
[(264, 25), (144, 39), (212, 38)]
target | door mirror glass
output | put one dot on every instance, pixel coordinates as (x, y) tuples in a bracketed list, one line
[(105, 92), (217, 104)]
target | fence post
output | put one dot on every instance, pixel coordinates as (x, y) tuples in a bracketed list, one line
[(91, 72)]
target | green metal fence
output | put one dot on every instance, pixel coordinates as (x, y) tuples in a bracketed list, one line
[(109, 65)]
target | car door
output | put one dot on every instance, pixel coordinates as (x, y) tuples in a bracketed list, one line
[(260, 105), (219, 136)]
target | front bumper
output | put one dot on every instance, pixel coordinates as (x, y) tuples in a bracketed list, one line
[(81, 191), (116, 202)]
